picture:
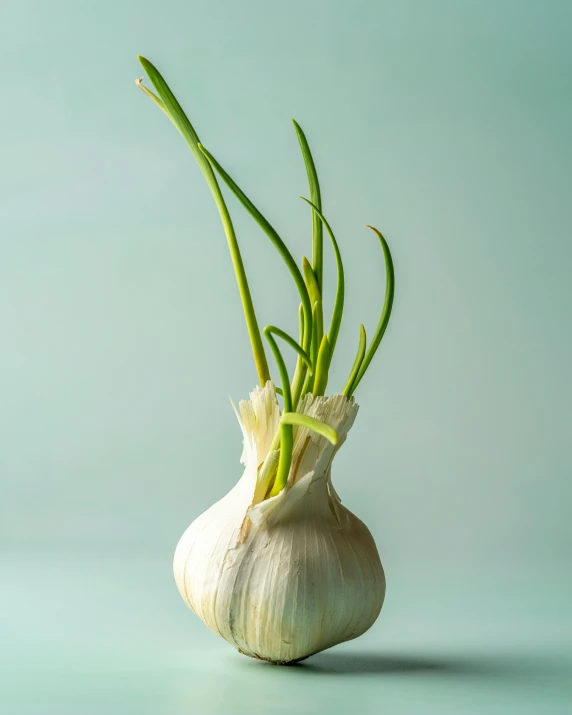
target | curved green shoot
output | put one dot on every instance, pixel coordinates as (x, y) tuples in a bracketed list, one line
[(340, 290), (311, 280), (273, 236), (317, 240), (291, 342), (386, 310), (267, 472), (286, 442), (286, 438), (314, 348), (152, 96), (287, 421), (169, 104), (282, 370), (300, 371), (322, 367), (357, 363), (321, 428), (316, 298), (284, 460)]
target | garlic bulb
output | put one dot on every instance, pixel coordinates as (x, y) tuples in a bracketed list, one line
[(285, 577)]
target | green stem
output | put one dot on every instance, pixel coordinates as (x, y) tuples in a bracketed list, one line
[(286, 437), (340, 290), (284, 460), (274, 237), (315, 196), (322, 367), (321, 428), (282, 370), (316, 298), (169, 104), (314, 345), (357, 363), (300, 371), (386, 310), (152, 96), (291, 342)]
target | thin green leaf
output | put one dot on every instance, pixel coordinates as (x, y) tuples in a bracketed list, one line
[(300, 371), (313, 183), (386, 310), (286, 441), (314, 348), (268, 330), (169, 104), (340, 290), (357, 362), (284, 460), (322, 367), (291, 342), (311, 281), (177, 116), (267, 472), (272, 235), (321, 428), (151, 95), (316, 298)]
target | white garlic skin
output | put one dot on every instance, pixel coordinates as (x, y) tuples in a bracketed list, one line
[(301, 573)]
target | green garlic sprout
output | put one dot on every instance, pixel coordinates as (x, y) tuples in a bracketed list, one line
[(315, 347)]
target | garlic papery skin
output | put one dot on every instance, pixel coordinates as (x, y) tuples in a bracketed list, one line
[(285, 577)]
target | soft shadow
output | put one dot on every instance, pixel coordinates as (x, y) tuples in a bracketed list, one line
[(484, 667), (379, 663)]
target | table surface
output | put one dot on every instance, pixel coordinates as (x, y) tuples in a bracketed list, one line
[(108, 633)]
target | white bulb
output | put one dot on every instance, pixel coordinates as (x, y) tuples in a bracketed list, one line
[(286, 577)]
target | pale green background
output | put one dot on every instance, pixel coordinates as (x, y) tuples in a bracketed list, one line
[(447, 124)]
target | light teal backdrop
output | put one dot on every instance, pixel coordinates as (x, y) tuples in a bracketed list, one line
[(447, 124)]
